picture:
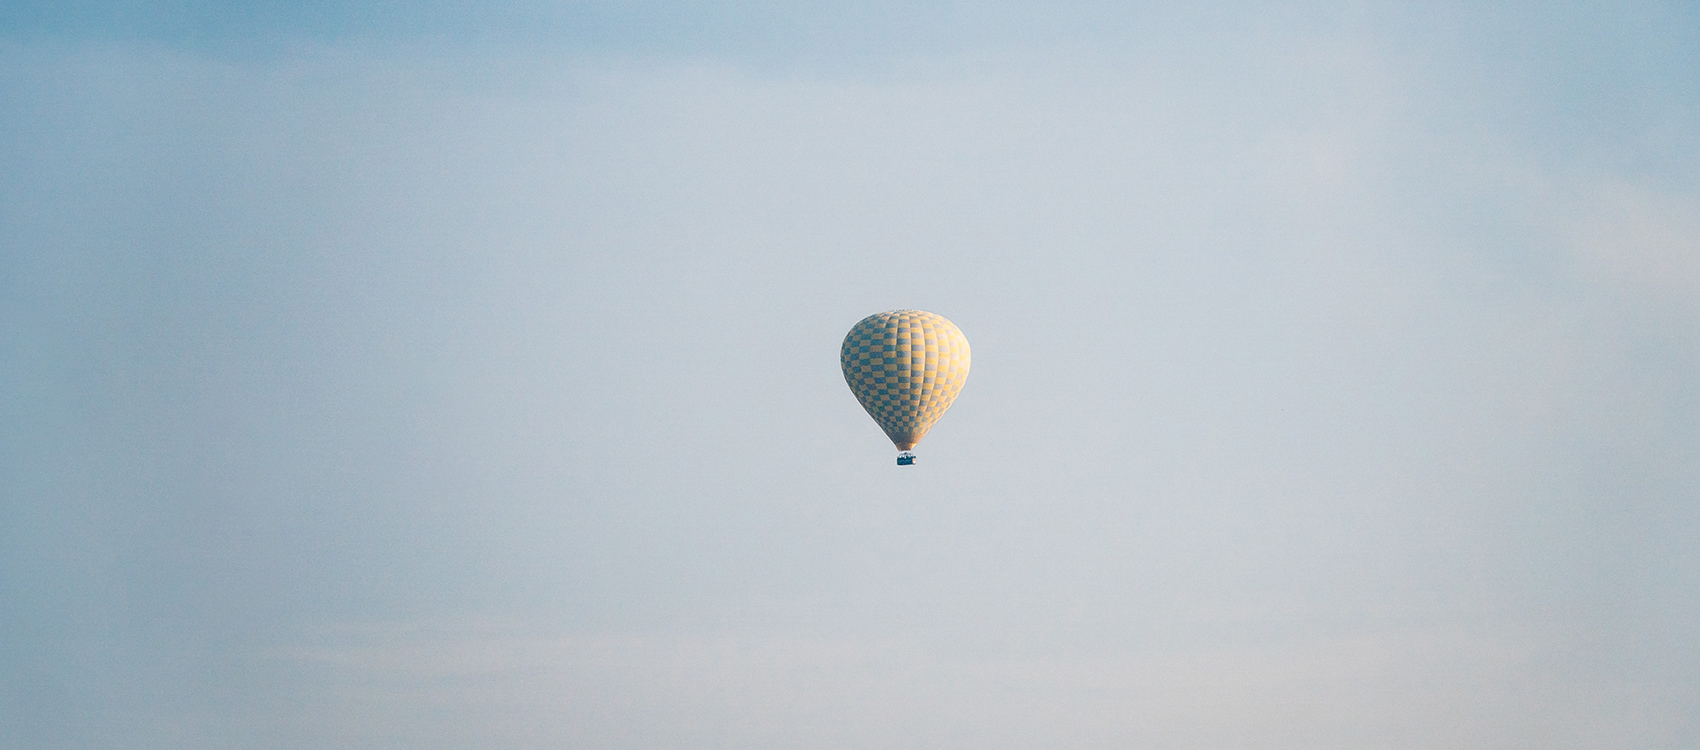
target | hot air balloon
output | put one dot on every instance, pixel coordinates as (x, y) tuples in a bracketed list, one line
[(906, 367)]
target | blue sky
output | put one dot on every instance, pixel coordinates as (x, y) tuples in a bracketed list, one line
[(453, 376)]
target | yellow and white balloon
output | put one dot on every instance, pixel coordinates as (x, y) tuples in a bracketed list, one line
[(906, 368)]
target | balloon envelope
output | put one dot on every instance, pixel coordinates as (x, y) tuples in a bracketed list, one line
[(906, 367)]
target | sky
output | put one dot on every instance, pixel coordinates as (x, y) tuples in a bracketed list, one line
[(452, 375)]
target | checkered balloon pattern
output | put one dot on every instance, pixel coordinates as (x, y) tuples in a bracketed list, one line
[(906, 367)]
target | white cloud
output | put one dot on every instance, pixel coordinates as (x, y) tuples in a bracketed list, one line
[(1392, 688), (1640, 240)]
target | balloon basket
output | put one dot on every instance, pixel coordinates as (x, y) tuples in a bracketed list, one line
[(906, 459)]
